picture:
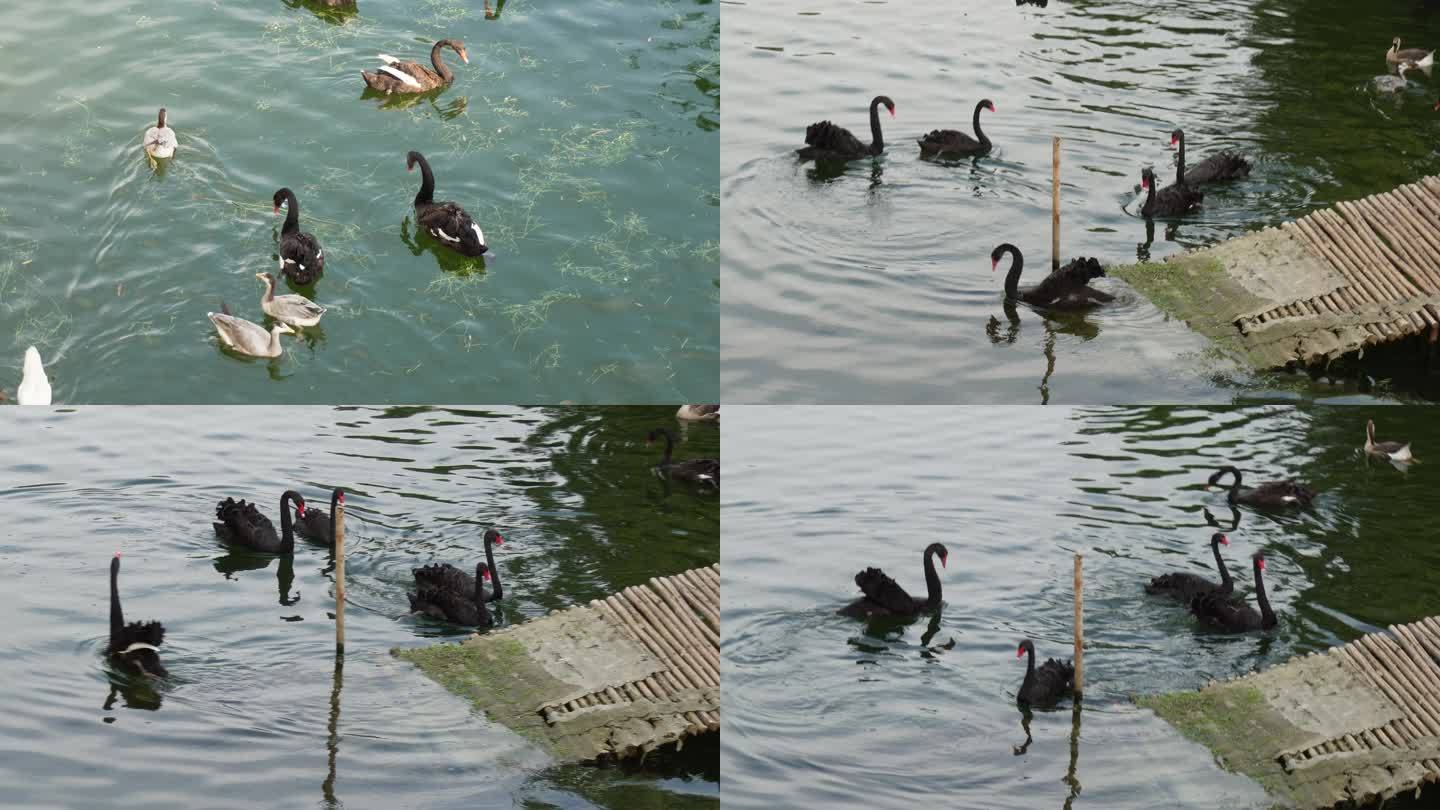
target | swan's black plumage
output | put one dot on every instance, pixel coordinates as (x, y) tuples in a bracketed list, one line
[(314, 523), (1217, 167), (1185, 586), (132, 646), (1168, 201), (826, 141), (446, 221), (1066, 288), (444, 592), (1224, 612), (703, 471), (1268, 493), (1043, 687), (884, 596), (942, 142), (241, 523), (301, 258)]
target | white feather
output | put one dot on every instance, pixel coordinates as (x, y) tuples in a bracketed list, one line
[(302, 267), (387, 59), (1403, 454), (443, 235), (478, 234), (401, 75), (139, 645), (1288, 498), (34, 385)]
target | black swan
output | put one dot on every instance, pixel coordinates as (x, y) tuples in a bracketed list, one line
[(1412, 57), (939, 142), (301, 258), (884, 596), (705, 471), (1394, 451), (445, 221), (825, 141), (1168, 201), (243, 524), (1269, 493), (1066, 288), (1232, 615), (1219, 166), (1185, 586), (133, 646), (444, 592), (394, 76), (1043, 687), (314, 523)]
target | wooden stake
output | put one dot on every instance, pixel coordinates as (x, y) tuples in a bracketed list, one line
[(1055, 206), (1079, 623), (339, 518)]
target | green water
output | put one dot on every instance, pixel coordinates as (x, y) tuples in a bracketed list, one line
[(583, 138), (254, 713)]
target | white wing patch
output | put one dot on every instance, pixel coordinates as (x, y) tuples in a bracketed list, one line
[(401, 75), (1289, 498), (139, 646), (442, 235), (478, 234), (387, 59), (320, 254)]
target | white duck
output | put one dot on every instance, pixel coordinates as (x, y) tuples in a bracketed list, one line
[(249, 338), (34, 385), (296, 310), (160, 140)]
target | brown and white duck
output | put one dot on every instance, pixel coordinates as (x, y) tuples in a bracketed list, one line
[(1414, 57), (395, 76), (1394, 451)]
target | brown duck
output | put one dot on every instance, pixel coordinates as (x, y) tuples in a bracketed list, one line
[(395, 76), (1419, 57)]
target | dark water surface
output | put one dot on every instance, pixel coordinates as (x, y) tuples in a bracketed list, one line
[(873, 283), (582, 137), (246, 719), (819, 708)]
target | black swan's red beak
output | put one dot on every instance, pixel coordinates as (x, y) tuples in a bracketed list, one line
[(994, 263)]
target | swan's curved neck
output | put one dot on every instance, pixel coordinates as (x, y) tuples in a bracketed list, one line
[(160, 121), (117, 618), (444, 71), (1012, 278), (932, 579), (1234, 485), (1267, 616), (480, 596), (292, 214), (669, 448), (1029, 667), (1220, 563), (494, 572), (427, 182), (1150, 194), (287, 526), (1180, 162), (877, 141), (979, 135)]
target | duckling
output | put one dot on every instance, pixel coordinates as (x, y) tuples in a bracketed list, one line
[(248, 338), (296, 310), (1394, 451)]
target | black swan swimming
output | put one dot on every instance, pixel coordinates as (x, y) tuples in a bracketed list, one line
[(1269, 493), (1185, 586), (825, 141), (704, 471), (940, 142), (1219, 166), (395, 76), (241, 523), (1394, 451), (444, 592), (1043, 687), (445, 221), (884, 596), (1066, 288), (134, 646), (314, 523), (1233, 615), (1168, 201), (493, 538), (301, 258)]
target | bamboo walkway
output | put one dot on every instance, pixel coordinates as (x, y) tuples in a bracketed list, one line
[(1348, 726), (1337, 280), (608, 680)]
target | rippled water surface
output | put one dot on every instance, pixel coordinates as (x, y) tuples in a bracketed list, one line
[(252, 715), (872, 283), (826, 708), (581, 136)]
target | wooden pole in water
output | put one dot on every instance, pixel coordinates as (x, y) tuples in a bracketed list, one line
[(339, 518), (1079, 623), (1055, 205)]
